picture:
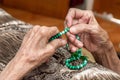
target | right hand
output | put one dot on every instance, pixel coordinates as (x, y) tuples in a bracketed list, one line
[(84, 24)]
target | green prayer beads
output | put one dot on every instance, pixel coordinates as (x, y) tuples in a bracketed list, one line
[(59, 34), (75, 56)]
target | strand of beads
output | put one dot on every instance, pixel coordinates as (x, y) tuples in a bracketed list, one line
[(59, 34), (75, 56)]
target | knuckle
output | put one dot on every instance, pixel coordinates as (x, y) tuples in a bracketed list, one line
[(43, 30), (44, 27), (35, 28), (55, 29)]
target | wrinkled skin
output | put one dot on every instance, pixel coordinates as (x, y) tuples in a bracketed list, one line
[(83, 23), (93, 38), (35, 46), (34, 51)]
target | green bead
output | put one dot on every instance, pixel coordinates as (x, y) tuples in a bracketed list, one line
[(84, 63), (75, 56), (67, 45), (79, 50), (67, 64), (81, 65), (78, 67), (84, 58), (72, 59), (66, 30), (71, 67), (63, 32), (67, 60)]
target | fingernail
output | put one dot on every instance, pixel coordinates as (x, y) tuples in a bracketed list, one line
[(68, 24), (73, 49)]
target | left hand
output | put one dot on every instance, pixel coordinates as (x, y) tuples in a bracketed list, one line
[(34, 51), (35, 48)]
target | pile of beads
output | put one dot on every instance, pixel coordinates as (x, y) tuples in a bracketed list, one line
[(75, 56)]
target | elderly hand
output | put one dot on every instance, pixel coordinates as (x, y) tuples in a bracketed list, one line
[(83, 23), (34, 51), (93, 38), (35, 47)]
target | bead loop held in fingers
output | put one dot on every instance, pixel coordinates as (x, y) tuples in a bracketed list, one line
[(75, 56)]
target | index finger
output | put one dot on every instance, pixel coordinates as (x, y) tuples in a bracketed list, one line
[(73, 13)]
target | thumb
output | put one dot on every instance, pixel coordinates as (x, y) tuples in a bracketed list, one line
[(80, 28)]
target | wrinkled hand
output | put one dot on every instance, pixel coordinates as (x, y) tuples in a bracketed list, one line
[(35, 50), (83, 23), (35, 47)]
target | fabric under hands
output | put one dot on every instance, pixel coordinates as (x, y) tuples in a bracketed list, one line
[(12, 32)]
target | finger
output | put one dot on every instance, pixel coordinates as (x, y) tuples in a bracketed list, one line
[(72, 47), (48, 32), (52, 31), (73, 13), (72, 39), (92, 20), (56, 44), (68, 34), (51, 47), (84, 19), (80, 28), (76, 42), (87, 17), (30, 35), (75, 21)]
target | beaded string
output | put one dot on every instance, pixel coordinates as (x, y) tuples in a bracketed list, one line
[(75, 55)]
